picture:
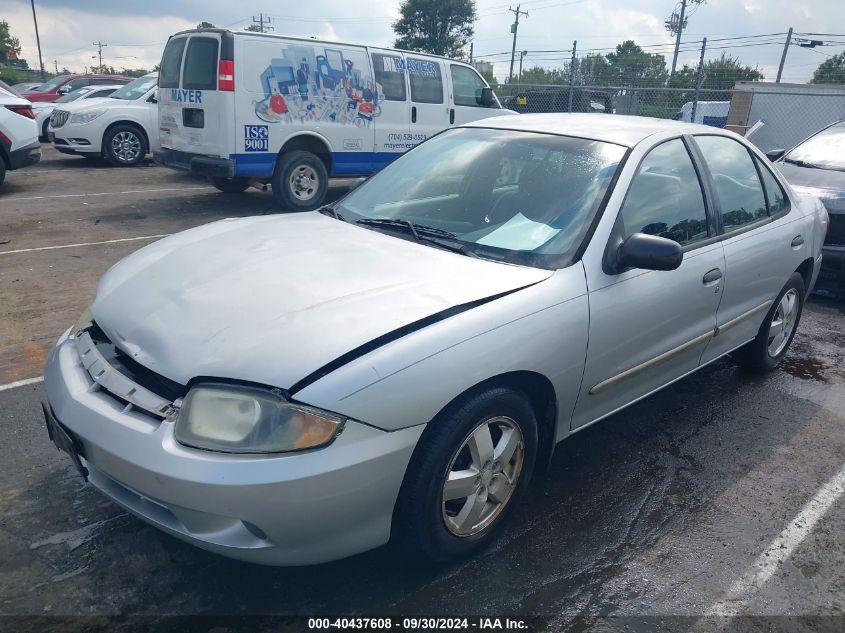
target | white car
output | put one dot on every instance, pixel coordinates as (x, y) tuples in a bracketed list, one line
[(43, 111), (19, 146), (122, 127)]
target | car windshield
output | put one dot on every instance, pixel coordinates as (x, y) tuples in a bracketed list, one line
[(520, 197), (73, 96), (50, 85), (134, 89), (825, 150)]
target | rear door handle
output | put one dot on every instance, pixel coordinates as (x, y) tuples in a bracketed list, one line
[(797, 241), (413, 114), (711, 277)]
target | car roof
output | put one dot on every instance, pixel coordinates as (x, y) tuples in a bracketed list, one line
[(612, 128)]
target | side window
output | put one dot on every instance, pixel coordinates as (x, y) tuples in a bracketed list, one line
[(426, 81), (737, 184), (77, 83), (171, 63), (100, 93), (466, 86), (390, 76), (774, 192), (665, 197), (201, 64)]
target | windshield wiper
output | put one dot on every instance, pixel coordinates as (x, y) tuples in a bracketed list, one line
[(800, 163), (423, 233), (328, 209)]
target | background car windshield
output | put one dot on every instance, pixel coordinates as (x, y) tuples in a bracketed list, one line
[(134, 89), (826, 149), (521, 197), (73, 96), (50, 85)]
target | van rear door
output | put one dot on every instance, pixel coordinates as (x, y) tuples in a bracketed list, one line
[(196, 94), (392, 125)]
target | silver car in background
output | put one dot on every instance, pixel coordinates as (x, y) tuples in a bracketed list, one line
[(295, 389)]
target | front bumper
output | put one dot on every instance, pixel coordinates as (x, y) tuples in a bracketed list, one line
[(69, 141), (25, 156), (196, 163), (831, 276), (295, 509)]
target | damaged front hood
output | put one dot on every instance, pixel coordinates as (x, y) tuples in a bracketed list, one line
[(272, 299)]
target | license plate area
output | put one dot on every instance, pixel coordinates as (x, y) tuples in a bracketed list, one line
[(63, 440)]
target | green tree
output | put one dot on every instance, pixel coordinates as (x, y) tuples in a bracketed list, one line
[(542, 76), (206, 25), (490, 78), (10, 47), (440, 27), (630, 65), (592, 70), (254, 28), (724, 72), (135, 72), (830, 71)]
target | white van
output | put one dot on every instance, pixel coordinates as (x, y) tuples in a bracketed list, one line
[(252, 108), (713, 113)]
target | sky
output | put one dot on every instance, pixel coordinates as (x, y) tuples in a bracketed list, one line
[(137, 31)]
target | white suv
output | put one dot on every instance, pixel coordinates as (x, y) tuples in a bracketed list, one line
[(44, 110), (122, 127), (19, 144)]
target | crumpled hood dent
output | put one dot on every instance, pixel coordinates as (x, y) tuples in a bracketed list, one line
[(273, 299)]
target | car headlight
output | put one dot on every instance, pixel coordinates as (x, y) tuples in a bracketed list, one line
[(235, 419), (85, 117)]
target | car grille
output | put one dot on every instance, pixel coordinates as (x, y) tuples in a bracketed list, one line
[(59, 118), (836, 230)]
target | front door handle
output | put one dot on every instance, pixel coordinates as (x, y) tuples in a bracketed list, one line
[(711, 277), (452, 116), (797, 241), (413, 114)]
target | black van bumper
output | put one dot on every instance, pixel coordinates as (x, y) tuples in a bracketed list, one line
[(196, 163)]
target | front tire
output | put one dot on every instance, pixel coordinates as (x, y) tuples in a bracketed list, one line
[(124, 146), (775, 335), (229, 185), (300, 181), (469, 469)]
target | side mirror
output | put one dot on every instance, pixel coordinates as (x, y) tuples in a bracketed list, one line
[(775, 154), (63, 90), (649, 252), (487, 98), (152, 99)]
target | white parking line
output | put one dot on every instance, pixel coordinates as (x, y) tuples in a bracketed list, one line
[(22, 383), (50, 248), (104, 193), (782, 547)]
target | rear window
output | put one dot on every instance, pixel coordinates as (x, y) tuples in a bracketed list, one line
[(390, 76), (200, 71), (171, 63), (426, 81)]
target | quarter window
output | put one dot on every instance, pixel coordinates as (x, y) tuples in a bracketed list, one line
[(390, 76), (665, 197), (171, 63), (466, 86), (426, 81), (737, 184), (201, 64), (774, 192)]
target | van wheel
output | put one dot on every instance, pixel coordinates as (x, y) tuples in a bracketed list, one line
[(775, 335), (300, 181), (469, 469), (124, 146), (229, 185)]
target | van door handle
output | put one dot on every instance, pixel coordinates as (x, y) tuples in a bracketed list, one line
[(452, 116), (797, 241), (413, 114), (711, 277)]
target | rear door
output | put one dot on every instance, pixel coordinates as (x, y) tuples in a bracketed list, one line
[(195, 114), (392, 125), (429, 109)]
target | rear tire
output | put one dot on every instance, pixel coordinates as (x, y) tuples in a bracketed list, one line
[(300, 181), (469, 469), (229, 185), (775, 335), (124, 145)]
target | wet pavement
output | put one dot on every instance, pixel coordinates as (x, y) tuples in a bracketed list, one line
[(716, 496)]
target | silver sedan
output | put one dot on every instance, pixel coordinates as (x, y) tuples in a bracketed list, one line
[(295, 389)]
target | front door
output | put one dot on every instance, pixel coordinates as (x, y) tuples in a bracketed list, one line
[(429, 109), (648, 328)]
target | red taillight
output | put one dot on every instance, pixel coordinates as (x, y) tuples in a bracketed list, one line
[(23, 110), (226, 75)]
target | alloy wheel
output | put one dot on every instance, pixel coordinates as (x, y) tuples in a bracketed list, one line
[(126, 146), (783, 322)]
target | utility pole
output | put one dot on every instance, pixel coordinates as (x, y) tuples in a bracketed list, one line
[(521, 55), (572, 75), (514, 29), (678, 37), (783, 56), (262, 24), (99, 46), (698, 79), (56, 62), (37, 40), (470, 52)]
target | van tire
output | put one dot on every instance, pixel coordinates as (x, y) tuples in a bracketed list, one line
[(134, 151), (300, 181), (229, 185)]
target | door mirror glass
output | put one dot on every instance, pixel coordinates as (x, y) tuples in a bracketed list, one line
[(487, 98), (775, 154), (650, 252)]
